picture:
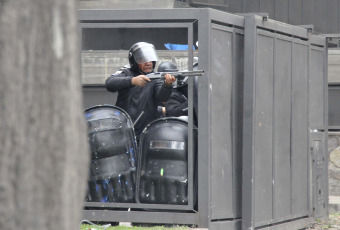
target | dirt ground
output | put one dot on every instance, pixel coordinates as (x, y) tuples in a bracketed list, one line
[(333, 223)]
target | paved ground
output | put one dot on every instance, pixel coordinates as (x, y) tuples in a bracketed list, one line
[(333, 223)]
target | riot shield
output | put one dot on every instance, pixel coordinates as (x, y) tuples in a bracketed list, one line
[(163, 165), (113, 155)]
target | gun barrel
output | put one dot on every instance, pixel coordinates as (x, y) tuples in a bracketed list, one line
[(190, 73), (161, 75)]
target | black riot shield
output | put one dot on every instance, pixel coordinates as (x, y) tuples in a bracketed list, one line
[(163, 164), (113, 155)]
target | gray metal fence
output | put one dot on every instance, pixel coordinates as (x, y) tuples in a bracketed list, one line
[(262, 124), (285, 115)]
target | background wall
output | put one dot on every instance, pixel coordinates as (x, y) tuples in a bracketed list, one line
[(323, 14)]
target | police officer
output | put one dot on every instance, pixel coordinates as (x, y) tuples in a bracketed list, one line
[(137, 94), (177, 105)]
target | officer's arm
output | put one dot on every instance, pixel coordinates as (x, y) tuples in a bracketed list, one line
[(118, 82), (164, 88), (140, 80)]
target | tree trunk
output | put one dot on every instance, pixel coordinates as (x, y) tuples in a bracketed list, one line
[(43, 137)]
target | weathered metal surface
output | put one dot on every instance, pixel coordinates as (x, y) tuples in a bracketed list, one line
[(285, 77)]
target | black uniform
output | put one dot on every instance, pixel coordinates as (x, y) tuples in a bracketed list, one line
[(177, 105), (135, 100)]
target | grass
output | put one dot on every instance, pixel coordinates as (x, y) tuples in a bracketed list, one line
[(333, 223), (94, 227)]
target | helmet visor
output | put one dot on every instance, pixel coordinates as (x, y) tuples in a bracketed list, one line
[(145, 54)]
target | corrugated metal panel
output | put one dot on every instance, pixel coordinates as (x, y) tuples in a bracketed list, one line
[(268, 6), (281, 134), (299, 139), (333, 16), (237, 124), (338, 17), (235, 6), (323, 14), (316, 103), (263, 171), (251, 6), (221, 133), (320, 19), (281, 11), (295, 12), (276, 120), (308, 12)]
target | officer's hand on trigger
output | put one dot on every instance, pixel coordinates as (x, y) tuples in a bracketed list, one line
[(140, 80), (168, 79)]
